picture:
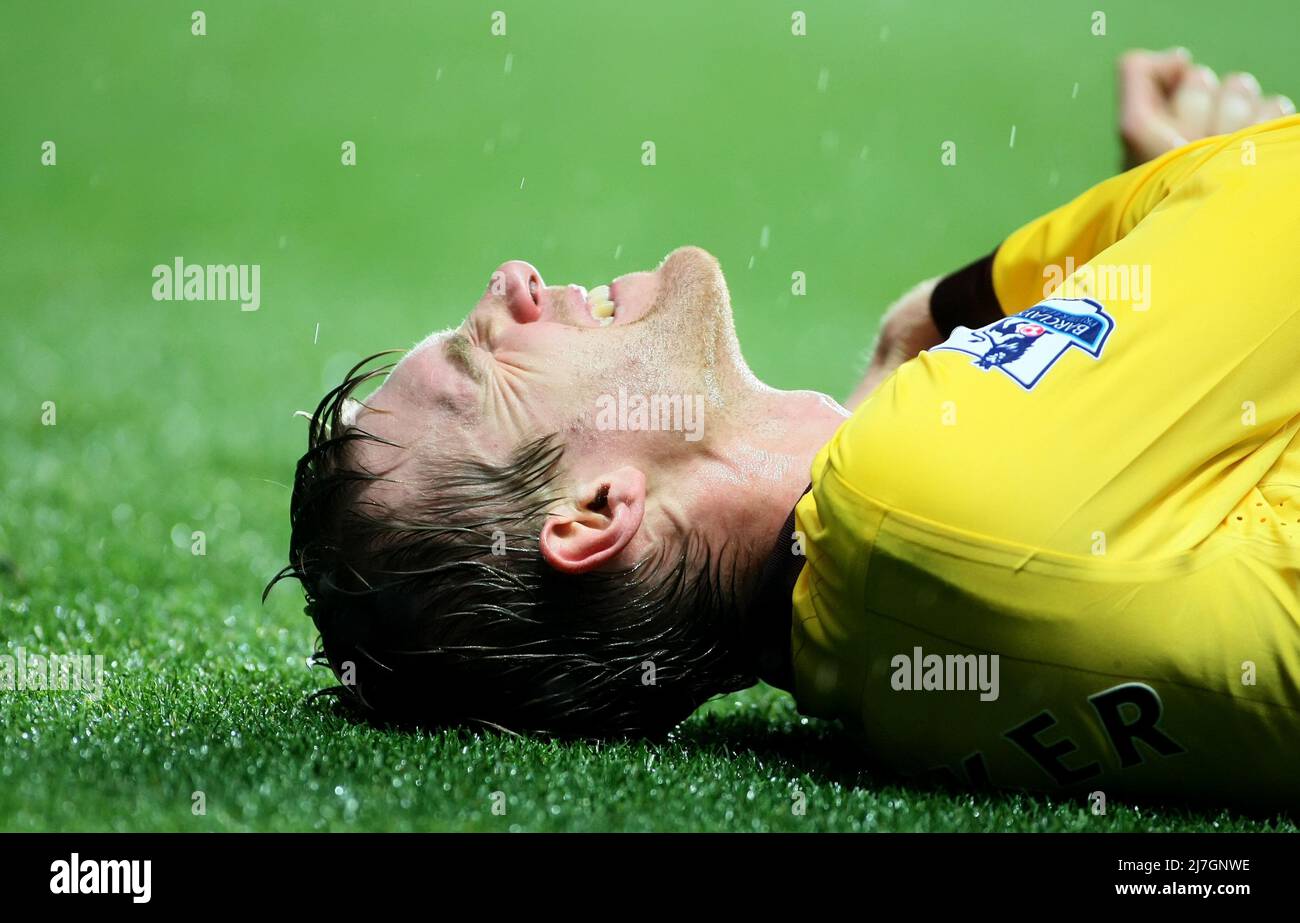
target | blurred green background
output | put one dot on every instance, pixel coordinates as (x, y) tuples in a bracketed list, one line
[(778, 153)]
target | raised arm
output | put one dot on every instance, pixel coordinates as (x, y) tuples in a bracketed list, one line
[(1166, 102)]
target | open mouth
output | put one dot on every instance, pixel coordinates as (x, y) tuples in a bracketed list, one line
[(602, 305)]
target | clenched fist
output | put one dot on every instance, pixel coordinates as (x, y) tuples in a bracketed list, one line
[(1167, 100)]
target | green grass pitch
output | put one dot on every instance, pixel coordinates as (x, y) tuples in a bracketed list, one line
[(779, 153)]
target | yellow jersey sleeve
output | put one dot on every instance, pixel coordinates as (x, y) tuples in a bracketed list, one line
[(1048, 248)]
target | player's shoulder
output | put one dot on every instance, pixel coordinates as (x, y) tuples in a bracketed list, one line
[(952, 435), (904, 448)]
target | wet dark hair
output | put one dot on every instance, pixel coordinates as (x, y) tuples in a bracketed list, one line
[(446, 612)]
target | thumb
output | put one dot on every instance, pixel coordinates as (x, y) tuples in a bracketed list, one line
[(1147, 81)]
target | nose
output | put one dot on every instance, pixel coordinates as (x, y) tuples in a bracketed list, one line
[(520, 285)]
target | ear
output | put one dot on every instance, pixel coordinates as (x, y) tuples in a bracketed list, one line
[(581, 536)]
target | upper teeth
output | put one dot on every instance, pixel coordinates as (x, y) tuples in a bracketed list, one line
[(602, 306)]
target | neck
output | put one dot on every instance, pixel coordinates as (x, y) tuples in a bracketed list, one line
[(763, 577), (756, 473), (774, 455)]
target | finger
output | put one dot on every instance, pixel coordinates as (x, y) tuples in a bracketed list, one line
[(1194, 101), (1147, 78), (1168, 67), (1273, 107), (1235, 104), (1148, 138)]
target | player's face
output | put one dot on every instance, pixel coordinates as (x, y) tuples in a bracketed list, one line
[(532, 359)]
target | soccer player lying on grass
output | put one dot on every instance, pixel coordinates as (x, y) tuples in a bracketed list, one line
[(1059, 548)]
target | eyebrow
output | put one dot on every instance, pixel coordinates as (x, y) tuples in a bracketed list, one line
[(459, 351)]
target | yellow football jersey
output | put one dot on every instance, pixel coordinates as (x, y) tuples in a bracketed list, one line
[(1062, 551)]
